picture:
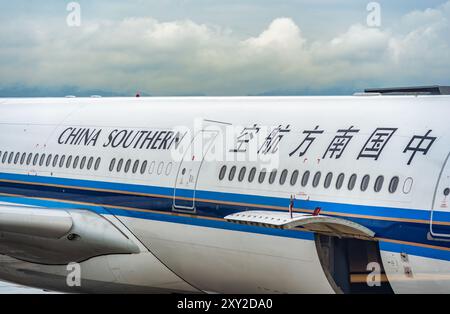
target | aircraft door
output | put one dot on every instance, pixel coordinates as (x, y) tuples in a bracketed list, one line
[(441, 202), (189, 170)]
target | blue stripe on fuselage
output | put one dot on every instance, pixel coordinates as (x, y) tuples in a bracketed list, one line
[(160, 199)]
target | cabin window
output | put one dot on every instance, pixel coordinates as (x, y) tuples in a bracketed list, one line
[(55, 160), (22, 159), (251, 175), (232, 173), (69, 161), (365, 182), (75, 162), (11, 156), (97, 163), (41, 161), (169, 168), (283, 176), (273, 176), (49, 160), (378, 184), (242, 174), (328, 178), (5, 155), (82, 162), (112, 164), (294, 177), (30, 156), (160, 167), (90, 162), (35, 159), (316, 179), (152, 167), (144, 166), (127, 165), (222, 172), (351, 182), (16, 159), (119, 165), (393, 185), (61, 161), (262, 175), (135, 166), (305, 178), (340, 181)]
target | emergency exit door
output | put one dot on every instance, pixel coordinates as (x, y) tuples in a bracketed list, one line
[(189, 170), (441, 200)]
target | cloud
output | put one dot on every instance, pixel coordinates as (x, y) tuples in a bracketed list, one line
[(185, 57)]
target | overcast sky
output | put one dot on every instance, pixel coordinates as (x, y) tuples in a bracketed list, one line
[(228, 47)]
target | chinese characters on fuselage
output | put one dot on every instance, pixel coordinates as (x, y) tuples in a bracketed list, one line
[(372, 149)]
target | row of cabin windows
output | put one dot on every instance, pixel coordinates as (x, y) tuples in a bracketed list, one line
[(50, 160), (137, 165), (127, 165), (316, 179)]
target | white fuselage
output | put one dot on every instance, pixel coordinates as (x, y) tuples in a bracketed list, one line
[(167, 171)]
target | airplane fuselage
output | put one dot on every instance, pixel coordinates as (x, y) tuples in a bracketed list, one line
[(174, 174)]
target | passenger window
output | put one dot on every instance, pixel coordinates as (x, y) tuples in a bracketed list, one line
[(49, 160), (365, 182), (30, 156), (144, 167), (61, 161), (242, 174), (97, 163), (35, 159), (262, 175), (22, 159), (222, 172), (340, 181), (378, 184), (152, 167), (55, 160), (283, 176), (83, 162), (5, 156), (272, 176), (69, 161), (328, 179), (135, 166), (119, 165), (90, 162), (168, 168), (16, 159), (41, 161), (232, 173), (75, 162), (11, 156), (111, 165), (160, 168), (294, 177), (127, 165), (305, 178), (251, 175), (316, 179), (351, 182), (393, 185)]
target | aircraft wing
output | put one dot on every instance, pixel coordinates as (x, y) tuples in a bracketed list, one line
[(58, 236)]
